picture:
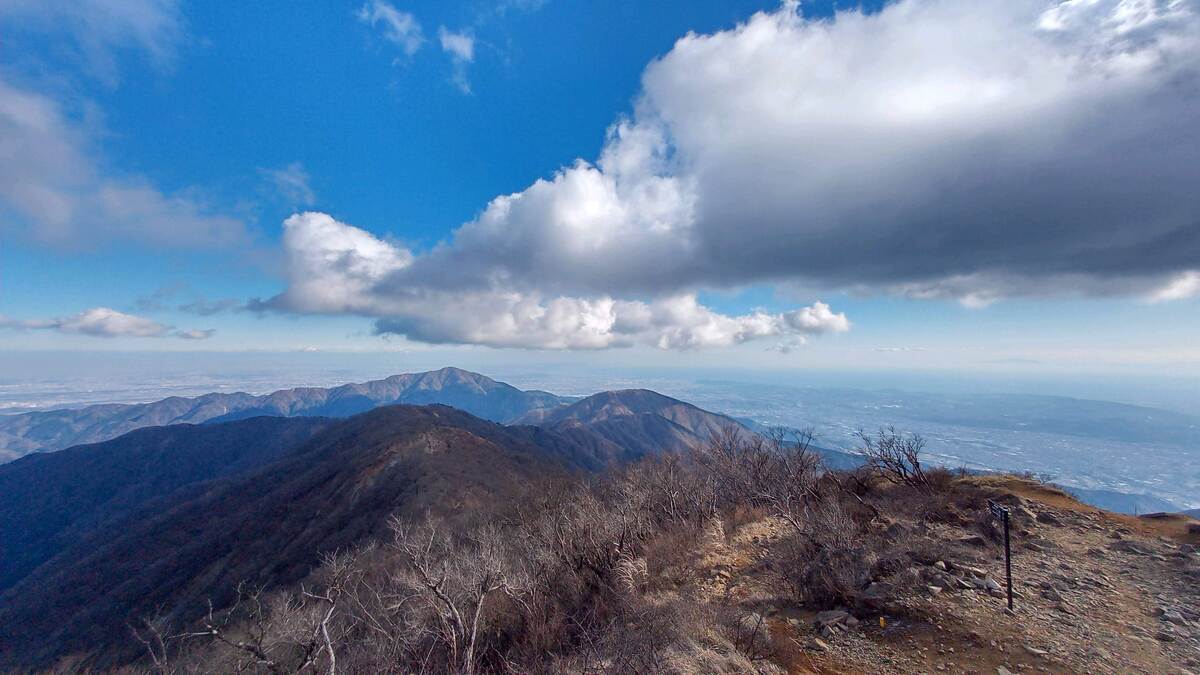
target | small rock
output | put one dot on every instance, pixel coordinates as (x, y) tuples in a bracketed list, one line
[(1001, 670), (934, 590), (941, 565), (991, 584), (972, 571), (1048, 518), (1035, 651), (1164, 636), (819, 645), (1172, 616), (973, 540), (878, 594), (831, 617), (1129, 547)]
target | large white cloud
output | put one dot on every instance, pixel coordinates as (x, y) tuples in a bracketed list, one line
[(978, 148), (966, 149), (336, 268)]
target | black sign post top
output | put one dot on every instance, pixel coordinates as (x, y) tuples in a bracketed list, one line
[(1001, 513)]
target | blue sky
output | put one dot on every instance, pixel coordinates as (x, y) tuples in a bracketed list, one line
[(784, 187)]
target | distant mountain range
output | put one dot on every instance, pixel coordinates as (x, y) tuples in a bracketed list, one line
[(481, 396), (333, 486), (174, 516), (227, 488)]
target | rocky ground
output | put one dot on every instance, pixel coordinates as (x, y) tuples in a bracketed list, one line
[(1095, 592)]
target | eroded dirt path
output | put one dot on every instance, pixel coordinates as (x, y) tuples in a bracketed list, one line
[(1096, 593)]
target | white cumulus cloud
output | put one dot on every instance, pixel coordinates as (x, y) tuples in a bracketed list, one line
[(941, 148), (335, 268), (961, 149)]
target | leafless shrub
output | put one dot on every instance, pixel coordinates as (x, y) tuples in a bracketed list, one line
[(779, 471), (896, 457), (828, 561), (750, 633), (456, 581)]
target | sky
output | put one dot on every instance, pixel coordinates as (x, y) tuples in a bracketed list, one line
[(990, 185)]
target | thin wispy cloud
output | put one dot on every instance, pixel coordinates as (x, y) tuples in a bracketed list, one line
[(96, 30), (461, 48), (293, 183), (56, 187), (397, 27), (180, 297), (104, 322)]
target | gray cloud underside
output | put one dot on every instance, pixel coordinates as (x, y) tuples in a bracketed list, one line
[(936, 149), (942, 148)]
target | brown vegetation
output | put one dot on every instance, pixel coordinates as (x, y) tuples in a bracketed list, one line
[(743, 556)]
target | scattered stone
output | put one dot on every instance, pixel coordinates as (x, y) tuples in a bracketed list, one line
[(973, 540), (1035, 651), (1048, 518), (819, 645), (972, 571), (934, 590), (1128, 547), (878, 594), (1001, 670), (1024, 513), (1172, 616), (991, 584), (1164, 636), (941, 565), (831, 617)]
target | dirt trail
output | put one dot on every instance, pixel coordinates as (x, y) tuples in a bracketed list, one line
[(1096, 593)]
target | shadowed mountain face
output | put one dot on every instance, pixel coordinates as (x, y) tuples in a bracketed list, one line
[(267, 525), (51, 501), (631, 423), (479, 395)]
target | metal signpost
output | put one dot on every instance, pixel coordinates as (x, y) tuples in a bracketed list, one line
[(1002, 513)]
